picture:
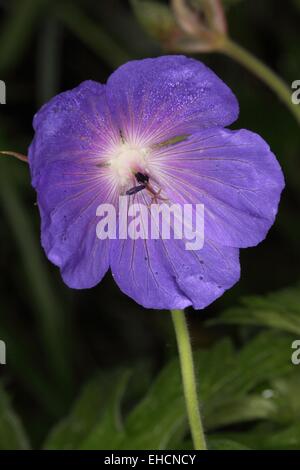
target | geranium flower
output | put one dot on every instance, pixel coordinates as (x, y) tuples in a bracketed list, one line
[(164, 118)]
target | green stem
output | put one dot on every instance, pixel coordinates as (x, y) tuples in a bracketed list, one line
[(188, 378), (263, 72)]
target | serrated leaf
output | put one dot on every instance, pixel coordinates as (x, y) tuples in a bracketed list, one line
[(12, 434), (280, 310), (160, 416), (240, 410), (213, 365), (264, 358), (231, 387)]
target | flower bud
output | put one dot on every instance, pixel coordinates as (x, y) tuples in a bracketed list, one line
[(156, 19), (203, 22)]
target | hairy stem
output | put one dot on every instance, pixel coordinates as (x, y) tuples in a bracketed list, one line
[(188, 378)]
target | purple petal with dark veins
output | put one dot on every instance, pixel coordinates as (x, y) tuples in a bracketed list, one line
[(233, 173), (73, 131), (168, 96), (163, 274)]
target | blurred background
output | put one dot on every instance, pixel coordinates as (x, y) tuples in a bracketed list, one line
[(60, 341)]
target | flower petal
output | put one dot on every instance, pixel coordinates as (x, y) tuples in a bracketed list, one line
[(73, 133), (164, 274), (73, 126), (155, 99), (233, 173), (68, 199)]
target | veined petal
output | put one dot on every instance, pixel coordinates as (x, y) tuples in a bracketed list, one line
[(68, 198), (155, 99), (163, 274), (233, 173), (73, 135), (74, 126)]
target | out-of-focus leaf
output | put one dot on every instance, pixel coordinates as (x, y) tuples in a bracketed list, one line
[(156, 18), (297, 3), (160, 415), (17, 29), (240, 410), (21, 357), (266, 437), (96, 423), (236, 375), (46, 305), (237, 372), (232, 385), (88, 412), (49, 60), (12, 434), (110, 425), (91, 34), (225, 444), (279, 310), (284, 393), (286, 439), (214, 365)]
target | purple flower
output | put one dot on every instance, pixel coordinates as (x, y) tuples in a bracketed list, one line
[(164, 118)]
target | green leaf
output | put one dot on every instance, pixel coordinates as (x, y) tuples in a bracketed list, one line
[(225, 444), (240, 410), (91, 34), (87, 412), (286, 439), (95, 421), (267, 437), (232, 388), (229, 380), (110, 425), (160, 417), (17, 29), (284, 394), (280, 310), (12, 434)]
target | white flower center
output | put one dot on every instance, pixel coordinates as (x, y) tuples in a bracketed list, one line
[(128, 160)]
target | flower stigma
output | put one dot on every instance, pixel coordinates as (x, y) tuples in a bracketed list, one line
[(127, 160)]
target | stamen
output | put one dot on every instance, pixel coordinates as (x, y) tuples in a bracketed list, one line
[(122, 136)]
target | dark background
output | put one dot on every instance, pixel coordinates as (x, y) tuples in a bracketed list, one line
[(58, 338)]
